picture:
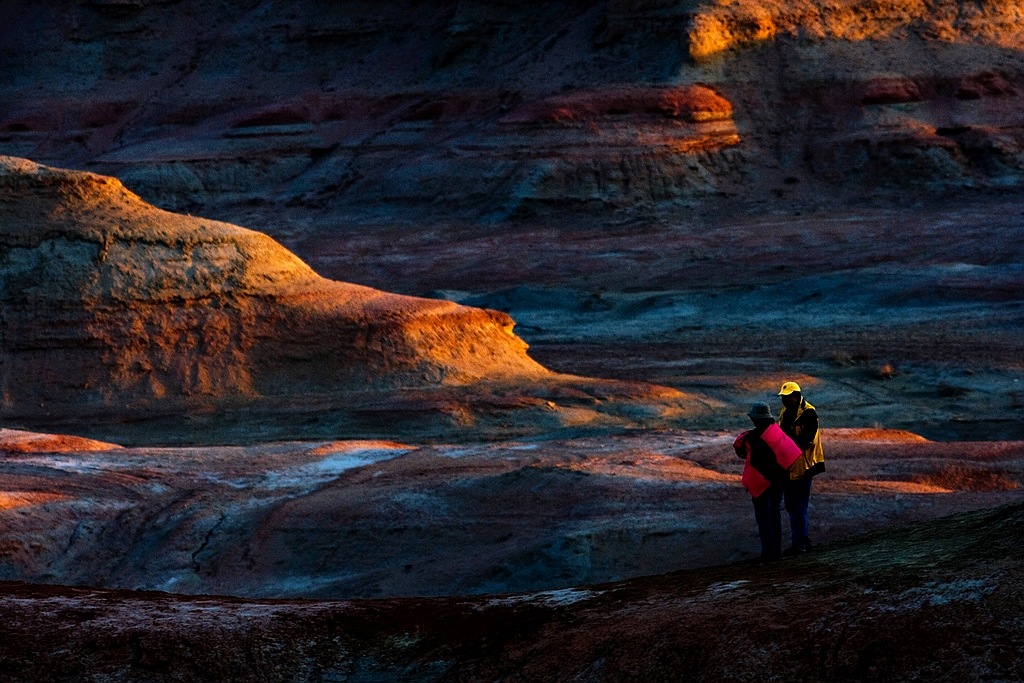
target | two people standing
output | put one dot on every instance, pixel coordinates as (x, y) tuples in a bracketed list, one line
[(781, 459)]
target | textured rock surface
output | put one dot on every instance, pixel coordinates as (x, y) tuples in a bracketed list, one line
[(713, 195), (116, 311), (341, 519), (722, 26), (355, 109), (130, 304), (317, 104)]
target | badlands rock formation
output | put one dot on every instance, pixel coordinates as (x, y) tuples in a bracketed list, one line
[(718, 27), (420, 109), (316, 104), (713, 195), (114, 310), (110, 302)]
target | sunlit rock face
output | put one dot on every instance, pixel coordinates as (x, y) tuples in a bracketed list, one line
[(874, 97), (110, 304), (717, 27), (116, 311)]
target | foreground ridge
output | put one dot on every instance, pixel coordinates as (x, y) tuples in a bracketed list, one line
[(889, 605)]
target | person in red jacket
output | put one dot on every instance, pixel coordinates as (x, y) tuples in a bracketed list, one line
[(768, 453)]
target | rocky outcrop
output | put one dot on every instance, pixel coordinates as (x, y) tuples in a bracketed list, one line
[(723, 26), (497, 152), (427, 108), (873, 98), (363, 107), (117, 310), (113, 302)]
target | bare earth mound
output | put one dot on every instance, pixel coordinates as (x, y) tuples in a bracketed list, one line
[(114, 310)]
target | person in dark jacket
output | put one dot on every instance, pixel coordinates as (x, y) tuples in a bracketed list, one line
[(799, 421), (767, 505)]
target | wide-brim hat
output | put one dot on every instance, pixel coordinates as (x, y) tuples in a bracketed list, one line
[(760, 411)]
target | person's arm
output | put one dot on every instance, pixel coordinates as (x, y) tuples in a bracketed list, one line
[(808, 428), (741, 446)]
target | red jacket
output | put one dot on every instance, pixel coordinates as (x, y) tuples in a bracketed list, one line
[(785, 449)]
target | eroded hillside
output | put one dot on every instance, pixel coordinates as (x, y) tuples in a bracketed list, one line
[(115, 311), (508, 109)]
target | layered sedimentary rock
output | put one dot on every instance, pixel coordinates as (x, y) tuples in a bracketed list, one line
[(112, 304), (478, 149), (117, 310), (315, 102), (716, 27), (340, 519), (321, 106)]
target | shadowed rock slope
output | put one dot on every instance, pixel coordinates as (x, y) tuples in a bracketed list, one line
[(115, 310), (938, 601)]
